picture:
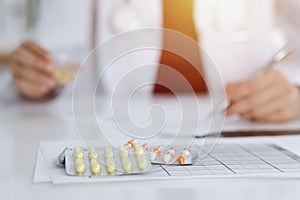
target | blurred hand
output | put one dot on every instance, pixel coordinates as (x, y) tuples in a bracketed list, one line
[(266, 98), (31, 68)]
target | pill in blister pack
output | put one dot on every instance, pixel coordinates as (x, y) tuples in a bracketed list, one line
[(109, 160), (130, 144), (184, 156), (94, 161), (125, 160), (79, 163), (155, 153), (171, 156), (140, 156), (103, 161)]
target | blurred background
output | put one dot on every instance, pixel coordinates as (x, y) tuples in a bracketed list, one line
[(237, 33)]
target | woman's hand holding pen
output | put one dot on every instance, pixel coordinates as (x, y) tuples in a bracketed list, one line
[(31, 68), (270, 97)]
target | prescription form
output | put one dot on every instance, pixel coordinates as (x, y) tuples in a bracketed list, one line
[(228, 159)]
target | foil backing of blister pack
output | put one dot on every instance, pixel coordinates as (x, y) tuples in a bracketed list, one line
[(70, 166)]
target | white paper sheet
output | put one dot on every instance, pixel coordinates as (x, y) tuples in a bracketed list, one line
[(228, 160), (41, 174), (236, 123)]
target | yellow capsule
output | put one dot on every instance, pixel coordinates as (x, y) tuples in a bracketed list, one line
[(63, 75), (123, 151), (126, 164), (79, 166), (138, 149), (141, 161), (110, 165), (95, 166), (78, 152), (108, 152), (93, 153)]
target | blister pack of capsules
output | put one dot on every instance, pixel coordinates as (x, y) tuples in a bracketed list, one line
[(128, 159), (131, 158), (171, 156)]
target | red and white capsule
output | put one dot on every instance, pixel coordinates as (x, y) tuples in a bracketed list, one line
[(184, 156), (146, 146), (169, 154), (155, 153), (130, 144)]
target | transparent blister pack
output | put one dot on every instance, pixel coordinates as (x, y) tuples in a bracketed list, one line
[(106, 161), (175, 155)]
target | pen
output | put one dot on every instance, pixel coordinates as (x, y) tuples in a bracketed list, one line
[(277, 58)]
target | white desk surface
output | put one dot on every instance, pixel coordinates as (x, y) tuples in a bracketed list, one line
[(24, 125)]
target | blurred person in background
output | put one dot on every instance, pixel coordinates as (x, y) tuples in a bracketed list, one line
[(269, 97)]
